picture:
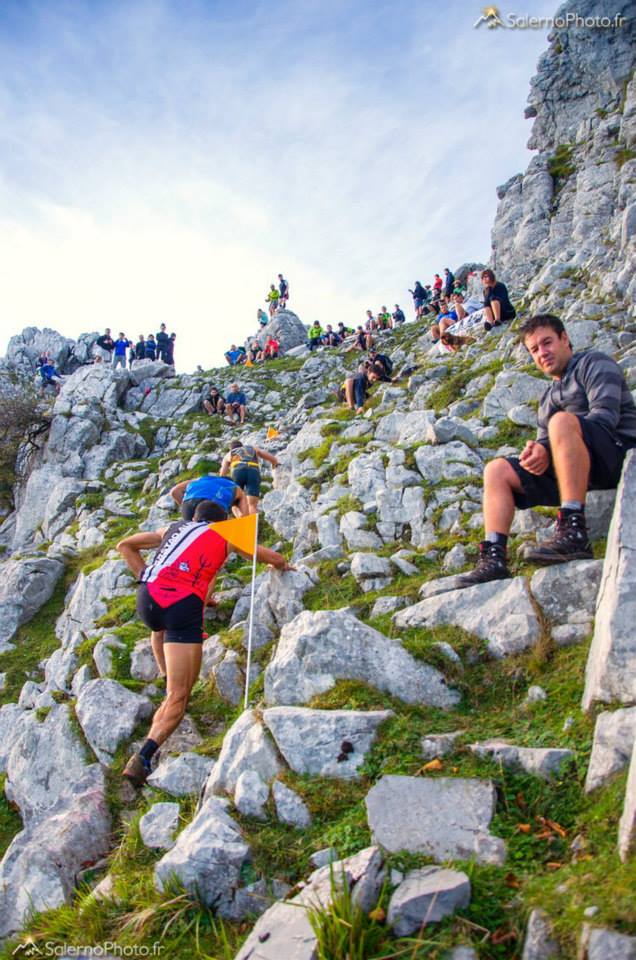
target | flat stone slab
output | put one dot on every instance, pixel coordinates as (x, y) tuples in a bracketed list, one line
[(446, 818), (614, 736), (627, 825), (319, 648), (544, 762), (499, 612), (539, 944), (324, 743), (159, 825), (427, 896), (567, 592), (611, 666), (182, 775), (600, 944)]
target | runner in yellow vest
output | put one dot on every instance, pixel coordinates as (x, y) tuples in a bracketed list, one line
[(241, 464)]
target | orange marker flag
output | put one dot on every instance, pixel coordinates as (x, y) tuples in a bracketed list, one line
[(272, 432), (240, 533)]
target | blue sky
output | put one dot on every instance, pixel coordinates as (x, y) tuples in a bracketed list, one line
[(163, 161)]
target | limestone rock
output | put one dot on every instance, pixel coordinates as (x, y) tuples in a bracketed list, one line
[(158, 826), (324, 743), (611, 666), (451, 461), (108, 713), (290, 808), (499, 612), (366, 476), (183, 775), (627, 825), (103, 653), (614, 737), (539, 943), (600, 944), (540, 761), (446, 818), (427, 896), (250, 795), (439, 744), (143, 665), (284, 931), (352, 527), (317, 649), (286, 327), (567, 592), (25, 586), (370, 571), (511, 388), (207, 857), (246, 746)]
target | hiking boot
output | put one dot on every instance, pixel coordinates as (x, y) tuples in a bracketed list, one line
[(570, 542), (136, 771), (490, 566)]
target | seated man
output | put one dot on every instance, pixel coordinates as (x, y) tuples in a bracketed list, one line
[(381, 360), (254, 352), (234, 355), (370, 323), (330, 338), (271, 349), (362, 340), (397, 316), (445, 319), (344, 332), (383, 319), (497, 306), (314, 336), (236, 402), (355, 388), (586, 423), (214, 402), (190, 493)]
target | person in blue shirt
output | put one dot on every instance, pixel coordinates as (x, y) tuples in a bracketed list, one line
[(163, 344), (235, 355), (236, 402), (119, 353), (50, 376), (189, 493), (151, 347)]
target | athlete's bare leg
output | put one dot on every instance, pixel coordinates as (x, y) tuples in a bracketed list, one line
[(183, 662)]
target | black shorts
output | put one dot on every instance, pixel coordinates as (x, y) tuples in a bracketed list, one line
[(182, 621), (606, 462), (248, 479)]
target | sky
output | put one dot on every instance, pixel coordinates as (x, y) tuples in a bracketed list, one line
[(164, 160)]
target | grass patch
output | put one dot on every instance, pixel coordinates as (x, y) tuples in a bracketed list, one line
[(560, 163), (10, 820)]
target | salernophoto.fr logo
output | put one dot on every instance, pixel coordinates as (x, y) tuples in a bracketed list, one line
[(493, 18)]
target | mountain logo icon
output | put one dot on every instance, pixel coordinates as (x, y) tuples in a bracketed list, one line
[(27, 949), (491, 17)]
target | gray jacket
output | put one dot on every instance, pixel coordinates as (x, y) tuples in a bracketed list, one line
[(592, 386)]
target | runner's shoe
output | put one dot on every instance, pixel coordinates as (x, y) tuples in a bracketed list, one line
[(570, 542), (136, 771), (490, 566)]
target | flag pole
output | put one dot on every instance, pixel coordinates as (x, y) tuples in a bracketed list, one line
[(251, 619)]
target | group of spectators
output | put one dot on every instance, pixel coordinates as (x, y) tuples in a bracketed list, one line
[(117, 352), (256, 352), (233, 405), (461, 318)]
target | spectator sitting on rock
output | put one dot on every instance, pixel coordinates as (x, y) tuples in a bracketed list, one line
[(354, 390), (383, 319), (162, 340), (170, 601), (241, 464), (151, 347), (361, 341), (449, 282), (272, 298), (253, 353), (497, 306), (370, 323), (262, 317), (314, 336), (344, 332), (106, 345), (119, 354), (214, 402), (235, 355), (586, 423), (283, 290), (445, 319), (381, 360), (188, 494), (271, 349), (330, 338), (50, 377), (419, 297), (397, 317), (236, 403)]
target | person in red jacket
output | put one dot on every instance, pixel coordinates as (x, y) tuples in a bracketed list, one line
[(170, 601)]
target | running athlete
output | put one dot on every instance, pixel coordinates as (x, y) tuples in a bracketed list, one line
[(241, 463), (189, 493), (170, 600)]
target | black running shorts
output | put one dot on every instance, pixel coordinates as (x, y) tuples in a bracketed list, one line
[(248, 478), (182, 621), (606, 458)]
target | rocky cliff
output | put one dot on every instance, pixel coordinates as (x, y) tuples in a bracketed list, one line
[(466, 756)]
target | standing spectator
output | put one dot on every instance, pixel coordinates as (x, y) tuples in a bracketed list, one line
[(214, 402), (262, 317), (236, 402), (437, 286), (497, 306), (106, 345), (418, 298), (49, 375), (272, 298), (271, 349), (283, 289), (151, 347), (119, 356), (315, 335), (241, 464), (449, 282), (162, 340), (171, 341), (397, 316), (140, 348)]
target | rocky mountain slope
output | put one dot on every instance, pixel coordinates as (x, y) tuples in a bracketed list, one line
[(465, 756)]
